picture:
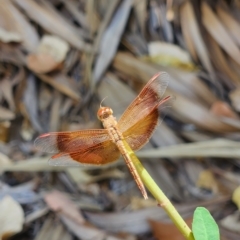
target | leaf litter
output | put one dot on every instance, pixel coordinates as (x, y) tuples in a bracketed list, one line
[(60, 58)]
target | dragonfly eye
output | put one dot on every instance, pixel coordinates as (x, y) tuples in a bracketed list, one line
[(104, 113)]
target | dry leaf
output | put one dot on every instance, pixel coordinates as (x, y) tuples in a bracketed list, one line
[(4, 161), (8, 36), (6, 114), (53, 23), (231, 25), (166, 54), (50, 53), (167, 231), (193, 37), (222, 109), (12, 20), (41, 63), (236, 197), (219, 33), (231, 222), (11, 217), (221, 148), (235, 98), (208, 181), (111, 39), (72, 218), (140, 203), (59, 202), (63, 84), (54, 46), (4, 130)]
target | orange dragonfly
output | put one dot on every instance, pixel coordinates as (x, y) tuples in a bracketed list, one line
[(103, 146)]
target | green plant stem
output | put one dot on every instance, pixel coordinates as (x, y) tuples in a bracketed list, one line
[(161, 198)]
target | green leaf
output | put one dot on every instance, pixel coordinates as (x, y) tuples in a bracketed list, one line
[(204, 226)]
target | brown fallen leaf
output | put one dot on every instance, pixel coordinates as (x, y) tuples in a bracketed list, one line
[(220, 108), (51, 52), (11, 217), (71, 217), (42, 63), (59, 202), (167, 231), (4, 130)]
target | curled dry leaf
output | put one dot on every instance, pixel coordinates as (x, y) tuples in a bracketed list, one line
[(208, 181), (169, 54), (220, 108), (235, 99), (231, 222), (9, 36), (236, 197), (41, 63), (11, 217), (59, 202), (50, 54), (54, 46)]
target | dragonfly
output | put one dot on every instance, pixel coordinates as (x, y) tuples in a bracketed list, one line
[(123, 137)]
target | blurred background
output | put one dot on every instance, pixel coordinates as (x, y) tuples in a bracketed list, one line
[(60, 58)]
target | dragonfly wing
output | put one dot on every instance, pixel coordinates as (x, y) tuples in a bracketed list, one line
[(139, 133), (68, 142), (148, 99), (98, 154)]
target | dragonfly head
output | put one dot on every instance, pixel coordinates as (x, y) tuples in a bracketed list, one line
[(104, 112)]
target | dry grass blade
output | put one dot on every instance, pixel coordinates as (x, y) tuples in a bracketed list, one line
[(51, 23), (219, 33), (111, 39), (220, 148)]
